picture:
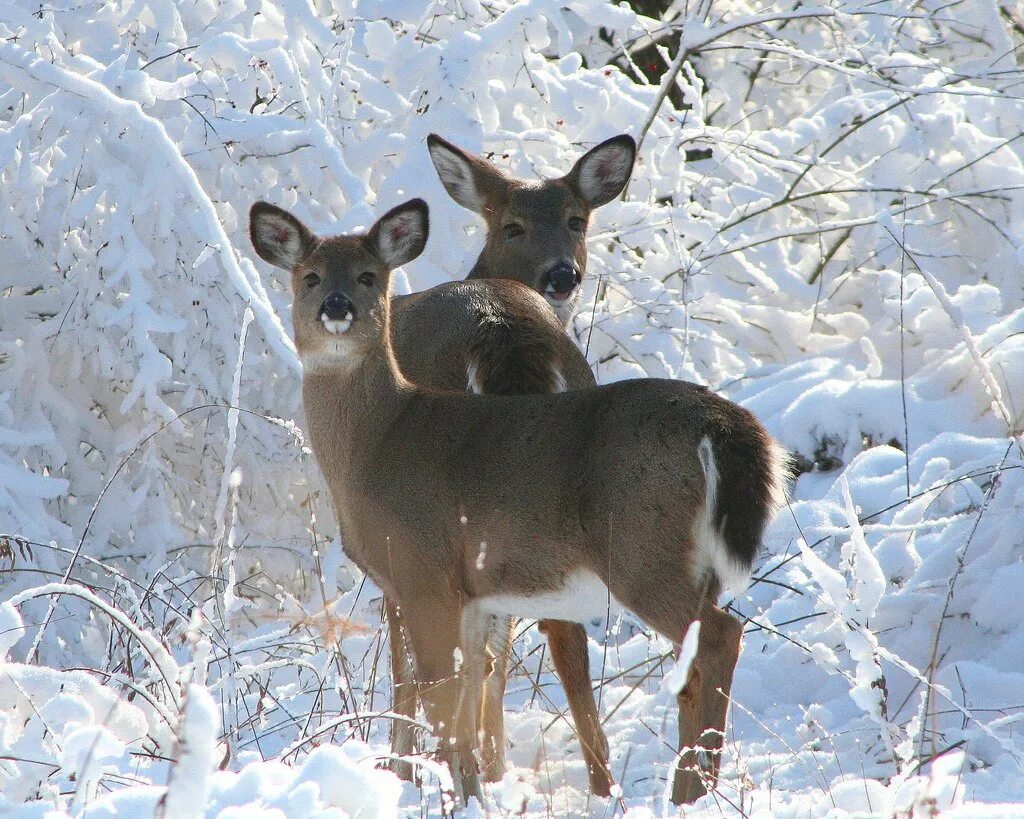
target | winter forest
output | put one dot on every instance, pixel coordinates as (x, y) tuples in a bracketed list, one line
[(824, 224)]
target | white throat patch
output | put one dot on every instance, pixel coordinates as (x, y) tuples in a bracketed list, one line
[(338, 354)]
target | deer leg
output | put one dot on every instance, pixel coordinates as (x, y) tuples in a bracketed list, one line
[(448, 647), (670, 607), (568, 644), (473, 633), (703, 705), (403, 739), (717, 655), (499, 647), (687, 784)]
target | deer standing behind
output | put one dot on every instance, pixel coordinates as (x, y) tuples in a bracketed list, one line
[(650, 494), (497, 332)]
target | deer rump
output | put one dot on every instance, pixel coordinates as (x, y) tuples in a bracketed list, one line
[(545, 483)]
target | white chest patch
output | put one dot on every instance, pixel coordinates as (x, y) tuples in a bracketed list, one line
[(336, 326), (583, 597)]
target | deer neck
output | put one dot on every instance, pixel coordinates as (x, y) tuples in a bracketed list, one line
[(350, 403), (480, 269)]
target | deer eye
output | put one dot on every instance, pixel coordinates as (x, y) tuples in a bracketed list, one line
[(367, 278), (312, 280), (576, 224), (512, 230)]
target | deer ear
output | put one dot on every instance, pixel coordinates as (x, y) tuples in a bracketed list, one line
[(468, 179), (400, 235), (279, 237), (602, 172)]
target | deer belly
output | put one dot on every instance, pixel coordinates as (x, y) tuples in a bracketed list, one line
[(582, 597)]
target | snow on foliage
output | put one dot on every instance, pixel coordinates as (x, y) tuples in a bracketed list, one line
[(829, 230)]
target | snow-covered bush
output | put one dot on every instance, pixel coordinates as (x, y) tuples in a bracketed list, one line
[(827, 230)]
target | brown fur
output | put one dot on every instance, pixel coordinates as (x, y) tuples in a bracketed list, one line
[(512, 335), (498, 323), (552, 215), (516, 345), (508, 333), (606, 480)]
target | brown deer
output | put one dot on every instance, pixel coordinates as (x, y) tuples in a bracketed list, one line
[(648, 494), (536, 236), (494, 333), (491, 334)]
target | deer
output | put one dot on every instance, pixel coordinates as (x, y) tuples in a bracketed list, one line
[(495, 333), (653, 496), (502, 331)]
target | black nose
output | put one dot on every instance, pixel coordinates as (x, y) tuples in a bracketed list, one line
[(337, 307), (563, 277)]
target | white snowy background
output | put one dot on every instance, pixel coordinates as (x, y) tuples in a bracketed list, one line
[(829, 231)]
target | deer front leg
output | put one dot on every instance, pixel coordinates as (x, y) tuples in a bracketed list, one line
[(448, 648), (568, 644), (403, 738)]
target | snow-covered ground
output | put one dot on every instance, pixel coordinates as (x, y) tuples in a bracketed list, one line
[(831, 232)]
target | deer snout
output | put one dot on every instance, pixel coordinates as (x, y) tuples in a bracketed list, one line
[(562, 280), (337, 313), (336, 307)]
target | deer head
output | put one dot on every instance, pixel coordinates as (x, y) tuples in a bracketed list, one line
[(340, 283), (536, 232)]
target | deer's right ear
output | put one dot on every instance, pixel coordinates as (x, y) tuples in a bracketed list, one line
[(400, 235), (603, 171), (279, 237), (468, 179)]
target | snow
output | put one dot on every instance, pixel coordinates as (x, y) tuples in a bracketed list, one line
[(676, 679), (179, 628), (188, 783)]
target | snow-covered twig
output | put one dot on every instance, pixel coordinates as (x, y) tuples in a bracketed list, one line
[(15, 60)]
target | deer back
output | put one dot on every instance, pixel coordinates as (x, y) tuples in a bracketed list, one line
[(495, 336)]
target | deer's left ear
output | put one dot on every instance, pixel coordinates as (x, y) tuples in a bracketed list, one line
[(279, 237), (400, 235), (602, 172)]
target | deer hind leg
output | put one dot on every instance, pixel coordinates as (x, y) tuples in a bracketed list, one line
[(703, 705), (568, 643), (670, 606), (443, 638), (404, 700), (717, 655), (687, 784), (499, 648)]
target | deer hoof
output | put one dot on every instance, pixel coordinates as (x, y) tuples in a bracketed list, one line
[(687, 786)]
